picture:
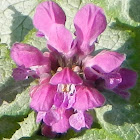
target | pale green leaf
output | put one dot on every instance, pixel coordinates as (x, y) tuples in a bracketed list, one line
[(27, 127), (16, 19), (119, 117), (96, 134)]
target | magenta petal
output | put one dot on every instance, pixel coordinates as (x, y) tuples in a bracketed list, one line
[(91, 27), (112, 80), (88, 120), (40, 116), (63, 124), (45, 78), (40, 34), (66, 101), (84, 48), (129, 78), (69, 100), (80, 119), (123, 94), (24, 54), (52, 117), (88, 98), (47, 13), (89, 74), (47, 131), (61, 39), (77, 120), (95, 98), (106, 61), (58, 99), (81, 102), (66, 76), (43, 97), (20, 73), (43, 69)]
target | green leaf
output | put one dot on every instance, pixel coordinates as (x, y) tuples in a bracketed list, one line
[(97, 134), (16, 19), (6, 64), (119, 117), (8, 127), (32, 39), (18, 97), (27, 127)]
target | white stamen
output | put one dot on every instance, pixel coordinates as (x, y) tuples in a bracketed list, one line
[(59, 69), (34, 67), (76, 69), (66, 88)]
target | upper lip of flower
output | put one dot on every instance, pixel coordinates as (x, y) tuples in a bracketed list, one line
[(66, 76), (52, 26)]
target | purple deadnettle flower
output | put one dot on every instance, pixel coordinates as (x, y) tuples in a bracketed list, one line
[(30, 61), (69, 78)]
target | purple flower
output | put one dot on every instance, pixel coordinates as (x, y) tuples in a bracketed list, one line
[(69, 79), (30, 61), (105, 68), (105, 65)]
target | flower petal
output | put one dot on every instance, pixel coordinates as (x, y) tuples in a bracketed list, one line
[(81, 102), (129, 78), (39, 34), (40, 116), (47, 13), (24, 54), (90, 28), (112, 80), (66, 76), (58, 99), (95, 98), (122, 93), (106, 61), (77, 120), (69, 100), (52, 117), (88, 120), (88, 98), (43, 97), (61, 39), (47, 131), (89, 74), (63, 124), (20, 73)]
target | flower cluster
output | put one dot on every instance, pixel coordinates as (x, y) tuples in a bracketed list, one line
[(69, 77)]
